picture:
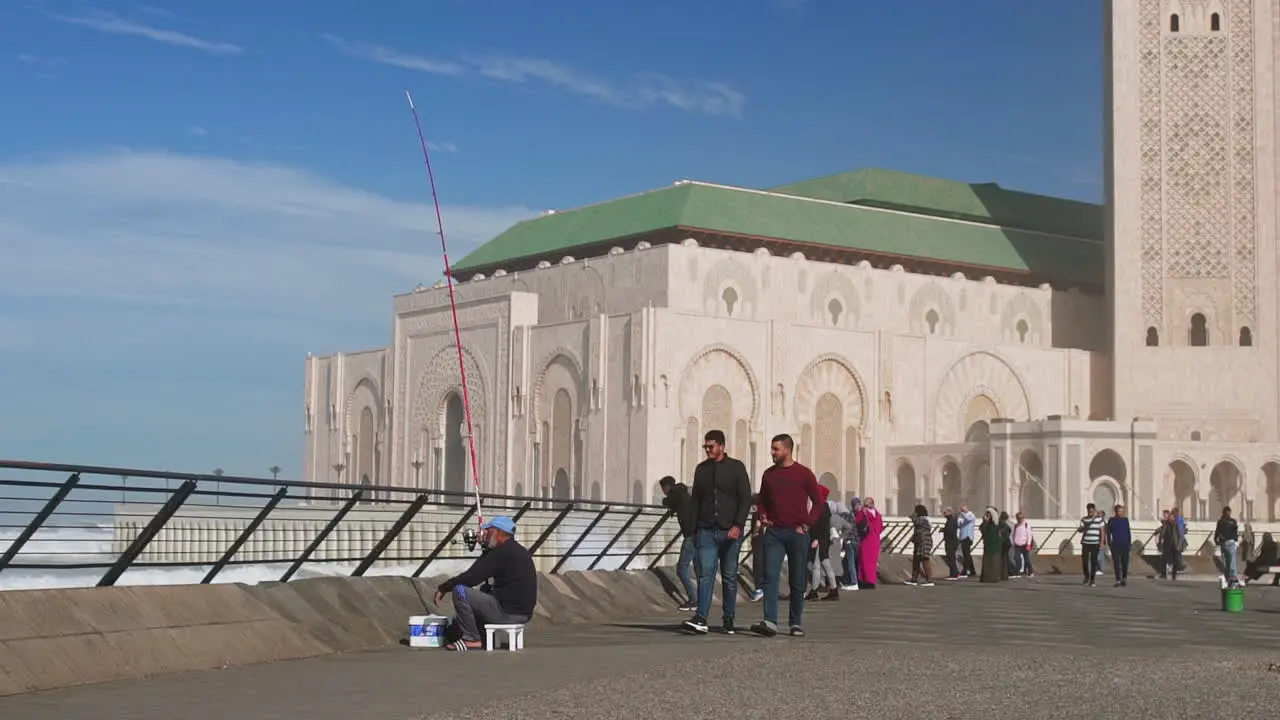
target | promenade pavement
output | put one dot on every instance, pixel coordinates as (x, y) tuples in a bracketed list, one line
[(1045, 648)]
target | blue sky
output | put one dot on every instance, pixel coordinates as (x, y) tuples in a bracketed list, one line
[(195, 195)]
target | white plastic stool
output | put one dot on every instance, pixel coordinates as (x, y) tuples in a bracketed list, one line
[(515, 636)]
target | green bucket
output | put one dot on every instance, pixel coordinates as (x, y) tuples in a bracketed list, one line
[(1233, 600)]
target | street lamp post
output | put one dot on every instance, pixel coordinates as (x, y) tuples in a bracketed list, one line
[(217, 498), (275, 472)]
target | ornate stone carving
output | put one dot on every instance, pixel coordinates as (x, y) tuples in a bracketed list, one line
[(1021, 308), (1151, 21), (1197, 226), (835, 287), (718, 365), (1243, 162), (727, 274), (540, 411), (438, 319), (439, 378), (931, 305), (831, 374), (978, 370)]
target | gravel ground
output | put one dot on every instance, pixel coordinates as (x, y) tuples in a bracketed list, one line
[(1035, 650), (802, 679)]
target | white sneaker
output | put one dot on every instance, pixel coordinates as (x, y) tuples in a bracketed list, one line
[(926, 584), (849, 588), (910, 582)]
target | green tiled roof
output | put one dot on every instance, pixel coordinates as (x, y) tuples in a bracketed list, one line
[(784, 217), (979, 202)]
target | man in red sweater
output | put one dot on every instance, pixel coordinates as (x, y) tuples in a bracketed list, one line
[(790, 503)]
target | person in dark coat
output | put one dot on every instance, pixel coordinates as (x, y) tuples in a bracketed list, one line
[(676, 499), (1006, 545), (992, 549), (951, 542)]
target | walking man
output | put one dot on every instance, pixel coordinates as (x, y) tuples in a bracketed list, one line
[(966, 522), (1120, 540), (790, 504), (721, 502), (1090, 543), (676, 498), (1227, 537)]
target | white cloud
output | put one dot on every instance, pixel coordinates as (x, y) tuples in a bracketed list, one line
[(197, 131), (444, 147), (156, 308), (639, 91), (218, 235), (114, 25)]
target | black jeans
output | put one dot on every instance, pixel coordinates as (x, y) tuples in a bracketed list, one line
[(966, 547), (1089, 560), (949, 555), (1120, 563)]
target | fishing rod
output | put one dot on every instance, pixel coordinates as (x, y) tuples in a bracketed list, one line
[(453, 307)]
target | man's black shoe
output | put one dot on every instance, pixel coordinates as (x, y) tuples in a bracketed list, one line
[(696, 624)]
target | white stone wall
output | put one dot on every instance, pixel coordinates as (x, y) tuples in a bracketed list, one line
[(345, 393)]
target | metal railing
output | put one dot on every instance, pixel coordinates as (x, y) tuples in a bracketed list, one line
[(71, 525), (75, 526)]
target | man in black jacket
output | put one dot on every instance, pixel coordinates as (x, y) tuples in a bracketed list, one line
[(721, 503), (677, 499), (515, 586)]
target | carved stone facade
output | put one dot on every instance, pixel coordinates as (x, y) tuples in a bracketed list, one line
[(595, 376)]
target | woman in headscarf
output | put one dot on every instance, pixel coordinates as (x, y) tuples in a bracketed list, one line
[(1172, 538), (849, 541), (820, 571), (869, 547), (921, 547), (992, 549), (1006, 545)]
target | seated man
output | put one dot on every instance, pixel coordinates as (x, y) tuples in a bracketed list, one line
[(514, 583)]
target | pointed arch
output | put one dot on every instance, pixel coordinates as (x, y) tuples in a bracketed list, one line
[(977, 373)]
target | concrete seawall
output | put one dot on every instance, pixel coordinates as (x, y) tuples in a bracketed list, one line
[(59, 638)]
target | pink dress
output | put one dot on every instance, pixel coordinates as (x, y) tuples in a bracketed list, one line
[(869, 548)]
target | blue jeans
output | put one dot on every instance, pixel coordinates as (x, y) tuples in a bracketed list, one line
[(780, 544), (1230, 564), (688, 554), (715, 548), (850, 563)]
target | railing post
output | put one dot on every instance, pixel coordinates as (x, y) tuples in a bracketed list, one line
[(153, 528), (39, 520), (665, 549), (625, 527), (533, 550), (324, 533), (244, 536), (520, 513), (574, 547), (647, 537), (448, 538), (391, 536)]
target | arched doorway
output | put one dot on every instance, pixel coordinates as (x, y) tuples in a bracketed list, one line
[(906, 497), (1182, 476), (1224, 486), (366, 441), (1271, 489), (455, 445), (560, 490), (952, 485), (1033, 501), (830, 483), (1107, 467)]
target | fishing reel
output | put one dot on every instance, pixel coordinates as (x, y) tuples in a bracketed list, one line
[(470, 538)]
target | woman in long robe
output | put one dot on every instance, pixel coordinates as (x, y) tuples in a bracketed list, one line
[(992, 548), (869, 547)]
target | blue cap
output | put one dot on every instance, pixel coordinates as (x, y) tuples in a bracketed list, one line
[(502, 522)]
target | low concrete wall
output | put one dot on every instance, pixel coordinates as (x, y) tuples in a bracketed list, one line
[(60, 638)]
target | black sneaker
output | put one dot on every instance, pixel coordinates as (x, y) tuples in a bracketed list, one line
[(764, 628), (688, 607), (696, 624), (728, 625), (797, 631)]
